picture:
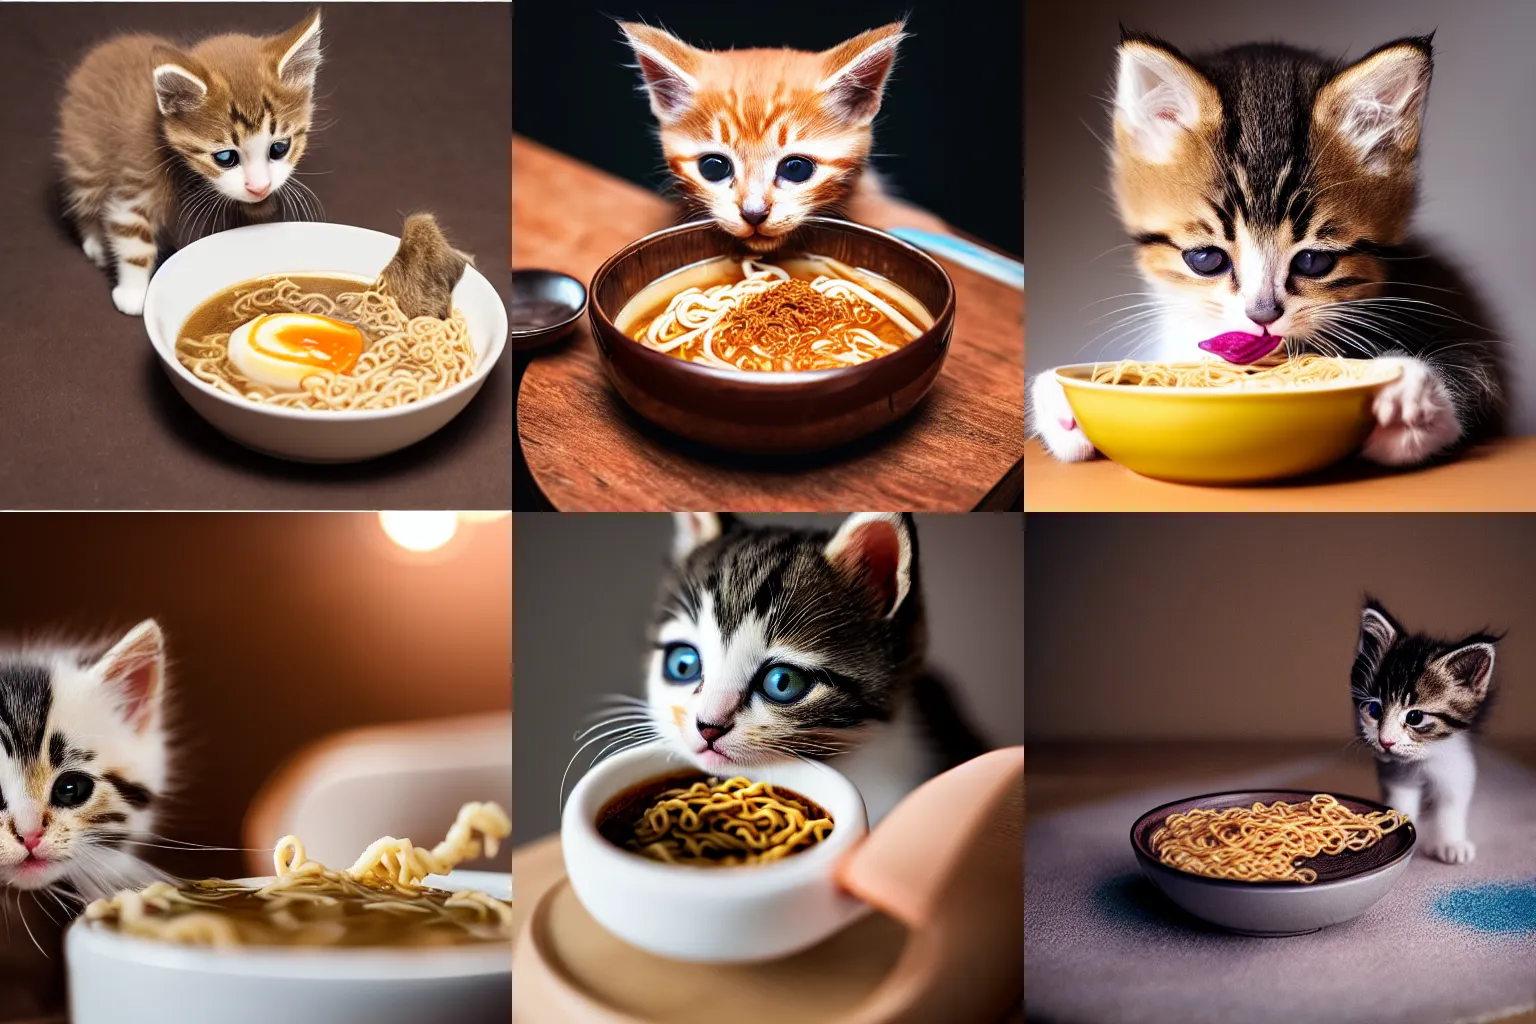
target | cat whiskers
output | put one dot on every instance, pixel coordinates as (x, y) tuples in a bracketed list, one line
[(632, 726)]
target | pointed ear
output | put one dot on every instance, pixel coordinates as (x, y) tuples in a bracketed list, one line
[(135, 669), (695, 529), (181, 82), (668, 66), (296, 53), (855, 72), (1159, 97), (1470, 665), (877, 548), (1376, 105), (1378, 632)]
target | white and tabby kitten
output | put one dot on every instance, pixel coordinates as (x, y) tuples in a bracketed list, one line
[(774, 643), (1417, 701), (82, 759)]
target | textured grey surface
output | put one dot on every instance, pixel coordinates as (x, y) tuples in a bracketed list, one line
[(1479, 140), (1103, 946)]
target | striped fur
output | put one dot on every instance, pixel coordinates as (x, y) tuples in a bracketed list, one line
[(845, 609), (755, 108), (141, 121), (81, 717), (1418, 699)]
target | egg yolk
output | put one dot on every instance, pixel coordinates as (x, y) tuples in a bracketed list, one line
[(309, 339)]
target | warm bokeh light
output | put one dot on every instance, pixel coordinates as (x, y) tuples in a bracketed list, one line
[(419, 531), (483, 517)]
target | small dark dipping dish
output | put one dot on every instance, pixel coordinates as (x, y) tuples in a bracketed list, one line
[(772, 412), (1347, 885), (545, 306)]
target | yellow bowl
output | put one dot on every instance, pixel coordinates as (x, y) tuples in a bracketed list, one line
[(1224, 435)]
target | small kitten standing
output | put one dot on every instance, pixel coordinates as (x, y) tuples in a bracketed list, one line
[(157, 142), (761, 139), (773, 644), (1267, 190), (1417, 702)]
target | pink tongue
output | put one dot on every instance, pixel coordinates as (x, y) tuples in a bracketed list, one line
[(1240, 347)]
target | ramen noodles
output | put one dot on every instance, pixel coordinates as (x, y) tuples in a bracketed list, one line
[(382, 899), (706, 822), (802, 313), (325, 342), (1295, 372), (1268, 842)]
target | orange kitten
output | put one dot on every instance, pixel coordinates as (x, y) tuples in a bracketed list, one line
[(762, 139), (153, 139)]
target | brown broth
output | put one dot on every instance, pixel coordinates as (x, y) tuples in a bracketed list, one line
[(214, 316)]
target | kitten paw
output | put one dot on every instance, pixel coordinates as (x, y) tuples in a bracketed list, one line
[(94, 250), (1454, 851), (1414, 417), (128, 299), (1054, 422)]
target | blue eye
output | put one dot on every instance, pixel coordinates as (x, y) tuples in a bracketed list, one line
[(796, 168), (1313, 262), (1207, 262), (785, 685), (1373, 708), (72, 789), (226, 157), (1414, 718), (681, 663), (279, 149), (714, 167)]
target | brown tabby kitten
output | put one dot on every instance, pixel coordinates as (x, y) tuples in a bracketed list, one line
[(761, 139), (425, 269), (155, 142)]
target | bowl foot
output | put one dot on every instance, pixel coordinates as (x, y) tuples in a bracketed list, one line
[(1272, 935)]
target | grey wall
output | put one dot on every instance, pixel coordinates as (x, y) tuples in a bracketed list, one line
[(1238, 627), (1479, 143), (584, 588)]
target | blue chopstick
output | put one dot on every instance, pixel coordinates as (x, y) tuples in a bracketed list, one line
[(974, 257)]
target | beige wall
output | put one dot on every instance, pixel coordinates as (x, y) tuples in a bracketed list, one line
[(1243, 626)]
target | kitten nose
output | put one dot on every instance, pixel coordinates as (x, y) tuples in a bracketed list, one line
[(754, 215), (258, 192), (712, 732), (1388, 744), (1265, 312), (32, 841)]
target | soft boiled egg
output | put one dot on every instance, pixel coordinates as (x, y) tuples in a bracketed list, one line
[(281, 349)]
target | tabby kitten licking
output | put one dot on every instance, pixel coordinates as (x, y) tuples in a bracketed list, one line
[(762, 139), (155, 142), (1417, 702), (1265, 188), (773, 644)]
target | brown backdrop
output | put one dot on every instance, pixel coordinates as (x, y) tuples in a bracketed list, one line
[(1239, 627), (282, 627)]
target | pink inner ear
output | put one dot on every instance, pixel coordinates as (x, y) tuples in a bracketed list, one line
[(874, 550), (136, 675)]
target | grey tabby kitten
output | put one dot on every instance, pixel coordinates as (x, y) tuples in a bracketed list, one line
[(82, 758), (772, 643), (1418, 700)]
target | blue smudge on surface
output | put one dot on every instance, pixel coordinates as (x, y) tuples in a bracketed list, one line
[(1491, 907)]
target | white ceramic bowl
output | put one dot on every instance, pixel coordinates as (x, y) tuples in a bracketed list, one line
[(121, 979), (211, 264), (712, 914)]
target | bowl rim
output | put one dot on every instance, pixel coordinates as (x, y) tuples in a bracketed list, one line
[(785, 873), (772, 378), (1063, 377), (495, 343), (527, 333), (1148, 858)]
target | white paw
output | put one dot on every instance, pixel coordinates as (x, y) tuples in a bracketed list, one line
[(1454, 851), (1054, 422), (95, 251), (128, 299), (1414, 417)]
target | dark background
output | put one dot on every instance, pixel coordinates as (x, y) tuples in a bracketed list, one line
[(1242, 628), (950, 128), (414, 114), (585, 584)]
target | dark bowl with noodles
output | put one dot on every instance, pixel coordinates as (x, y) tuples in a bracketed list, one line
[(877, 376), (1346, 886)]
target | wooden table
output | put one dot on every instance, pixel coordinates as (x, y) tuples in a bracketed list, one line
[(1499, 476), (961, 449), (1060, 775)]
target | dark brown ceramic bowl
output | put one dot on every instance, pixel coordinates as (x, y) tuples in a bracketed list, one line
[(1346, 887), (775, 412)]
